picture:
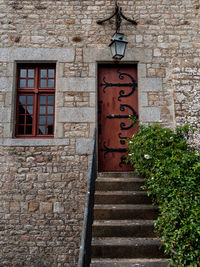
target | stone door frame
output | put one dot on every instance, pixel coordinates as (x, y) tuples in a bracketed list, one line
[(140, 56)]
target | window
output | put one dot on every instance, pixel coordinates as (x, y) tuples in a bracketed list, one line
[(35, 106)]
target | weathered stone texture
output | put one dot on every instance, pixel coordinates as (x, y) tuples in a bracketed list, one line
[(166, 30), (42, 188), (42, 203), (187, 95)]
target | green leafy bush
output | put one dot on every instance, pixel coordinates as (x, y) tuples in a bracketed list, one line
[(172, 173)]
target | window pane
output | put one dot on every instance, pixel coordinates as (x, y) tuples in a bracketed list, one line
[(51, 73), (22, 83), (42, 119), (50, 99), (49, 109), (31, 73), (22, 99), (21, 119), (50, 120), (23, 73), (29, 99), (41, 129), (30, 83), (29, 120), (20, 129), (39, 103), (43, 83), (22, 109), (50, 83), (29, 129), (42, 99), (50, 129), (43, 73), (42, 109), (29, 110)]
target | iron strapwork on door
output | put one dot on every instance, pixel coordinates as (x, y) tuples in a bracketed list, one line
[(118, 41), (122, 93)]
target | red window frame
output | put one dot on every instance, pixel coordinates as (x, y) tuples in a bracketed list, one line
[(35, 102)]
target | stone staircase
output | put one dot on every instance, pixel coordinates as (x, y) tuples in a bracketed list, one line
[(122, 231)]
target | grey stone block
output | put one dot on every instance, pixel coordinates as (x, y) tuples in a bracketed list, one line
[(138, 55), (60, 69), (181, 97), (139, 38), (59, 99), (11, 69), (57, 54), (132, 54), (76, 115), (8, 129), (150, 114), (143, 100), (5, 114), (142, 70), (92, 100), (96, 54), (92, 130), (92, 69), (76, 84), (34, 142), (37, 39), (148, 55), (59, 130), (150, 84), (6, 83), (5, 54), (9, 99), (84, 146), (58, 207), (37, 54)]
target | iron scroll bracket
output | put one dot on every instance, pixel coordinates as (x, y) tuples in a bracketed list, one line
[(107, 150), (122, 124), (118, 18), (132, 84)]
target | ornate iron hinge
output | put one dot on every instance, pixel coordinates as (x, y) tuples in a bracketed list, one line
[(122, 124), (133, 84), (107, 150)]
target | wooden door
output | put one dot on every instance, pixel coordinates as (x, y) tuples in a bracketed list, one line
[(117, 101)]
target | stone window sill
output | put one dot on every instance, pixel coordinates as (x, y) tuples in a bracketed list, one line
[(34, 142)]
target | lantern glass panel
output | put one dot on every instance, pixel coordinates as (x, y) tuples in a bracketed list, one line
[(113, 49), (121, 46)]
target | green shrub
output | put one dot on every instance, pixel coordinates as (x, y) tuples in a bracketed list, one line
[(172, 173)]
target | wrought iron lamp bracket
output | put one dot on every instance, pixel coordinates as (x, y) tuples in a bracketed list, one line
[(118, 18)]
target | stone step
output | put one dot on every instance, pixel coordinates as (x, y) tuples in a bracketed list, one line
[(124, 247), (129, 262), (125, 212), (118, 174), (121, 197), (119, 184), (123, 228)]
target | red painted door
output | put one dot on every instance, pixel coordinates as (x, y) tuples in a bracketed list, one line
[(117, 101)]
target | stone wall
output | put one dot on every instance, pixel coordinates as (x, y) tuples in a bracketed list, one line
[(43, 182), (41, 205), (187, 95)]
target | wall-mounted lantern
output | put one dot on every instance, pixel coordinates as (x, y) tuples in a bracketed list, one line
[(118, 41), (118, 45)]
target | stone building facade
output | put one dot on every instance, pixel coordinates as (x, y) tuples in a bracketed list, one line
[(43, 181)]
